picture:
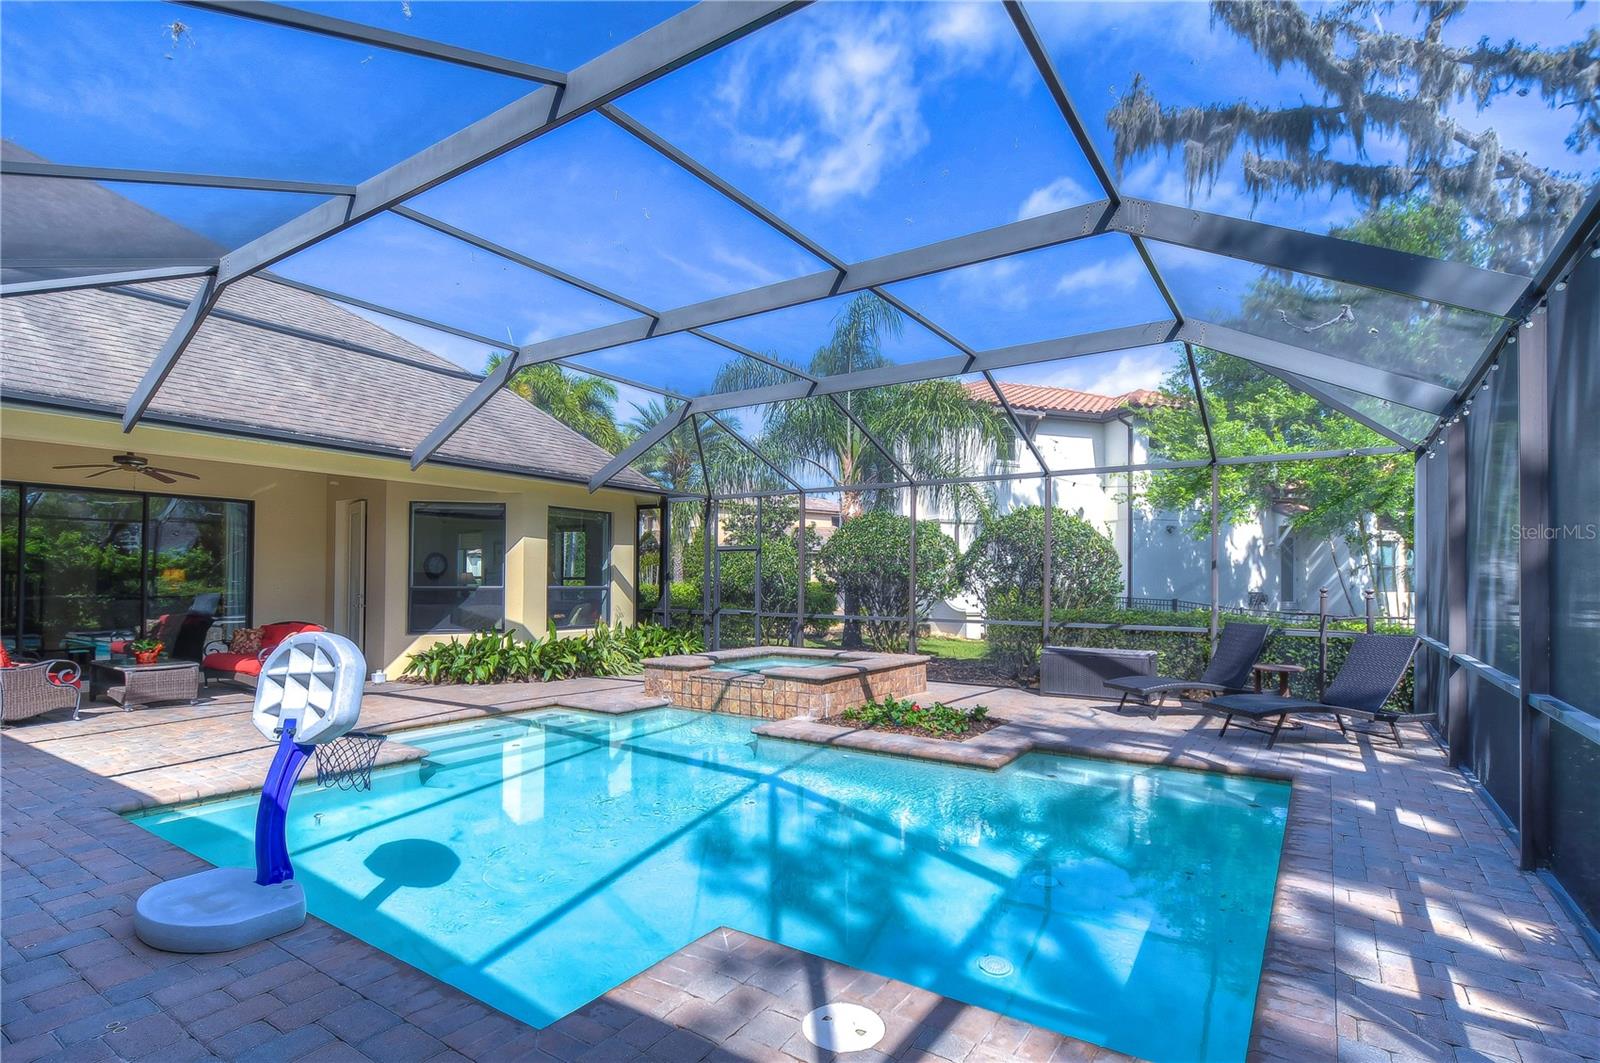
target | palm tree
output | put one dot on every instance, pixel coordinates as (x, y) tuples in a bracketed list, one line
[(675, 463), (936, 430), (584, 403)]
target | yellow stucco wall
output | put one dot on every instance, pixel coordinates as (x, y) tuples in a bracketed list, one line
[(298, 493), (291, 579)]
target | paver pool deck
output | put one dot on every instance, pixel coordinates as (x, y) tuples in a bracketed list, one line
[(1401, 929)]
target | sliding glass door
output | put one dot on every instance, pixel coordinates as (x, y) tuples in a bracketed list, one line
[(85, 568)]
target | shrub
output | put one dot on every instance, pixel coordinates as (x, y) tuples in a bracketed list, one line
[(936, 718), (865, 562), (495, 655), (1008, 558), (821, 604), (686, 597)]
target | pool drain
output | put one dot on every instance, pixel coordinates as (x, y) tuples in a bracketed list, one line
[(995, 966), (843, 1027)]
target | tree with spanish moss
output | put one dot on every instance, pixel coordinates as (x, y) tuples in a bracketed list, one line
[(1380, 82)]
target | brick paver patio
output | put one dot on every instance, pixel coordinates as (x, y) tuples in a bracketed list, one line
[(1401, 930)]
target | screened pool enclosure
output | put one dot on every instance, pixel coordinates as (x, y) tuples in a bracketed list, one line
[(825, 251)]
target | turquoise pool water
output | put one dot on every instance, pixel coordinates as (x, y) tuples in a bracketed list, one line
[(537, 861), (777, 660)]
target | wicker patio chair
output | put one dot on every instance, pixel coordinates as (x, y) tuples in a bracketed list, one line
[(1372, 672), (30, 690), (1238, 647)]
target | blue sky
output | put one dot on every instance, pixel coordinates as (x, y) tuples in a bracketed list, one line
[(872, 128)]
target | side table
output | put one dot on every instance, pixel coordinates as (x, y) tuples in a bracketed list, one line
[(1284, 671), (146, 684)]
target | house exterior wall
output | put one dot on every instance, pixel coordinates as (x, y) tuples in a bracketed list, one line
[(298, 493), (1164, 555), (290, 566)]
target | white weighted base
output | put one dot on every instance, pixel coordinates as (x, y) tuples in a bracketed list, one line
[(216, 911)]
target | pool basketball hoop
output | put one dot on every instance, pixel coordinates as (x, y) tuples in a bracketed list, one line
[(308, 695)]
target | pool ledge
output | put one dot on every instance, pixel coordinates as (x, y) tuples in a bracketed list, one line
[(998, 747)]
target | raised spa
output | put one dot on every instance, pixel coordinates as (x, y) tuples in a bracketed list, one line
[(777, 682)]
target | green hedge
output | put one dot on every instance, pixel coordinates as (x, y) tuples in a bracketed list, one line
[(1177, 654)]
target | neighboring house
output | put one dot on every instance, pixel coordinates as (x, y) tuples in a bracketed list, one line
[(299, 502), (822, 516), (1263, 565)]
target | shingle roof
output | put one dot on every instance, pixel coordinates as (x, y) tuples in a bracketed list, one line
[(1045, 399), (88, 349)]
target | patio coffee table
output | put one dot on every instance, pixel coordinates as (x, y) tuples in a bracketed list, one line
[(146, 684)]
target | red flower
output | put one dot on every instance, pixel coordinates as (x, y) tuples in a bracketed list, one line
[(915, 707)]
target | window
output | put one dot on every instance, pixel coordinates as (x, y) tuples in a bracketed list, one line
[(580, 567), (1387, 582), (1287, 567), (84, 569), (457, 581), (1005, 448)]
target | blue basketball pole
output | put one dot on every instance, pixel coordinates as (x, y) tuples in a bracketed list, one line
[(272, 814)]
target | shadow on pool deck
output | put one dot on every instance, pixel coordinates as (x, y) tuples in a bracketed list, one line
[(1401, 928)]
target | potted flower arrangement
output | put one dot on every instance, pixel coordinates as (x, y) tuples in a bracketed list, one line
[(145, 651)]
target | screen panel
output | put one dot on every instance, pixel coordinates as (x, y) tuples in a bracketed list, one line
[(157, 88), (1321, 118), (1066, 290), (1360, 325), (877, 128), (592, 200), (53, 226), (396, 262)]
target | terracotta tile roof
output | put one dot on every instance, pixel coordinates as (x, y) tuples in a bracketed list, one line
[(1042, 398)]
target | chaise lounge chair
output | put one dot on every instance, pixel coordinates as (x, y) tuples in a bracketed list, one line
[(1238, 648), (1372, 672)]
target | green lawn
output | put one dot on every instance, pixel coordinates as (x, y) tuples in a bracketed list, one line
[(934, 645), (949, 646)]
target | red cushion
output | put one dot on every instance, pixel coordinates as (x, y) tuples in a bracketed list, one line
[(272, 634), (63, 681), (5, 657), (239, 663)]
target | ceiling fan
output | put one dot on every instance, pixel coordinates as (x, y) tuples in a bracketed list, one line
[(132, 463)]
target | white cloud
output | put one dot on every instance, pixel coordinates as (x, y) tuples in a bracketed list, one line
[(996, 285), (1103, 277), (1059, 194), (1124, 372), (968, 32), (846, 93)]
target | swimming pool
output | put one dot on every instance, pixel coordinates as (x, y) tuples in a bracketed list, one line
[(537, 861)]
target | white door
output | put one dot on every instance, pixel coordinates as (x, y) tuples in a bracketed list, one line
[(353, 611)]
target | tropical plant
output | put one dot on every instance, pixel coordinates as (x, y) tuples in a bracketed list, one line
[(902, 714), (586, 404), (936, 429), (495, 655), (867, 563)]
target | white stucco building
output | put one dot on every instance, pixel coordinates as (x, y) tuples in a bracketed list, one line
[(1165, 555)]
